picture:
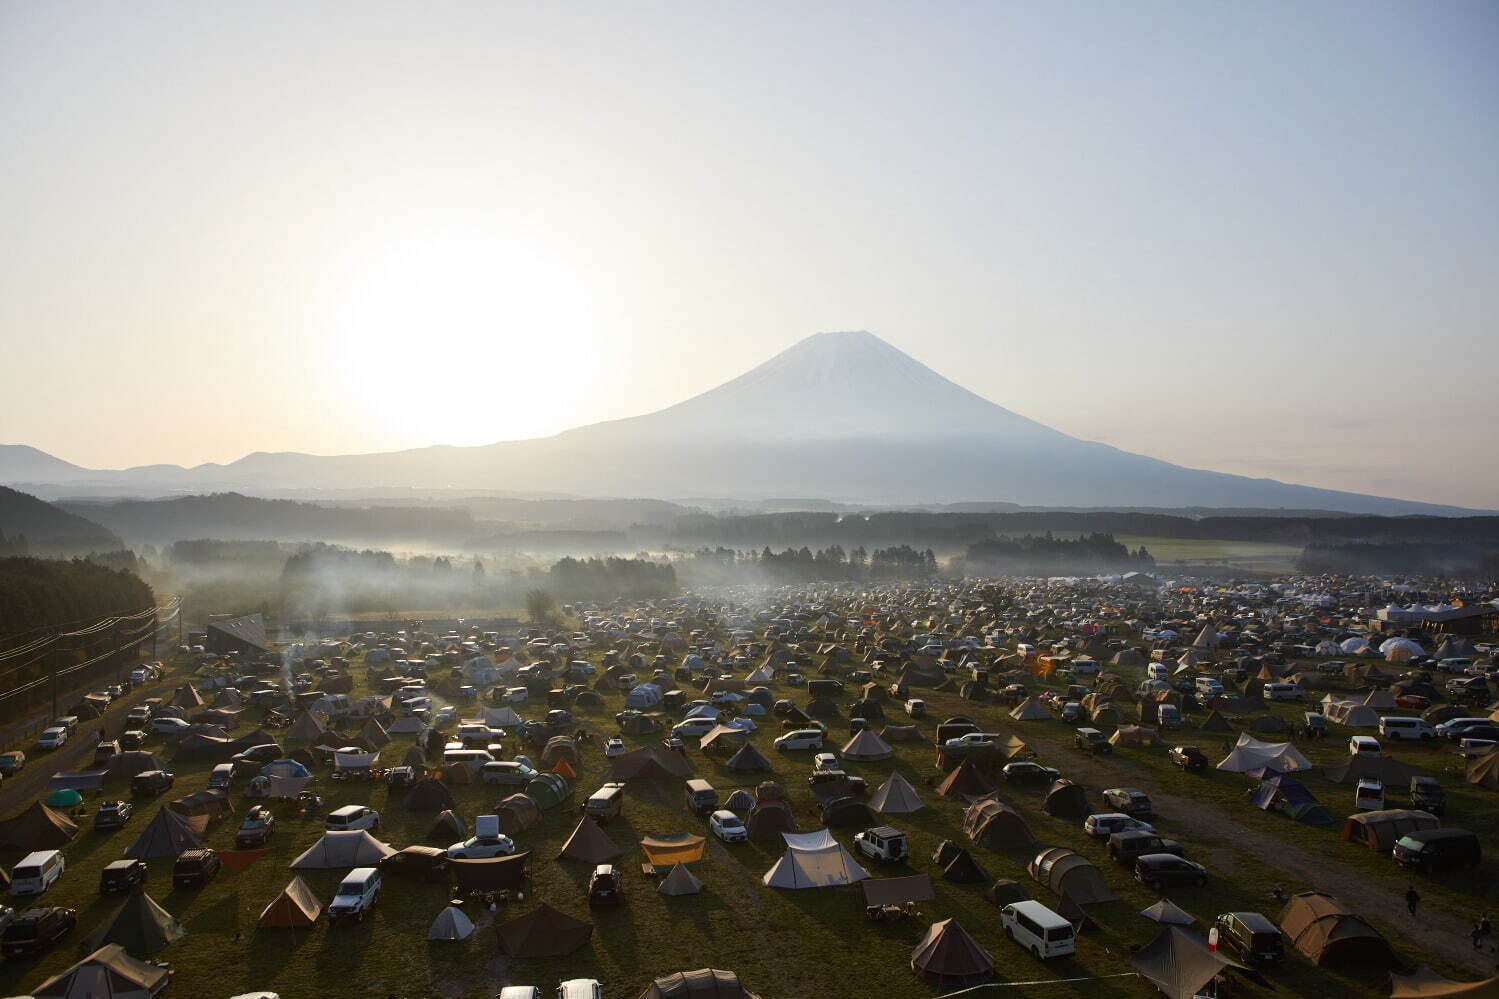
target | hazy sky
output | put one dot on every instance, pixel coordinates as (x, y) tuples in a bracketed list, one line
[(1261, 238)]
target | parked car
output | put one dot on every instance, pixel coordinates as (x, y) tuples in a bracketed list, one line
[(884, 843), (1129, 801), (352, 817), (132, 738), (150, 783), (195, 868), (1284, 692), (1427, 795), (1038, 929), (356, 894), (122, 876), (1416, 702), (969, 740), (1250, 936), (1027, 770), (112, 815), (1189, 758), (580, 988), (727, 826), (1163, 870), (506, 772), (1432, 850), (805, 738), (52, 738), (486, 842), (1129, 845), (1368, 796), (37, 871), (1394, 727), (167, 726), (257, 828), (604, 886), (1454, 728), (823, 762), (35, 931), (11, 763), (1092, 740), (421, 863), (1102, 825)]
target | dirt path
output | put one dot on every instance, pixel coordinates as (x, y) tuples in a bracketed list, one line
[(1433, 931)]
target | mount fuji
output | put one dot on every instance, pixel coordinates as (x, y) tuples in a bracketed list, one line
[(839, 416)]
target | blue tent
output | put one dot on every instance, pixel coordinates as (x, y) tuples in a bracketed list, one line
[(284, 768), (1289, 795)]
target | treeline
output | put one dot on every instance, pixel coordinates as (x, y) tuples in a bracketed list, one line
[(727, 566), (1047, 555), (607, 578), (1423, 559), (46, 594)]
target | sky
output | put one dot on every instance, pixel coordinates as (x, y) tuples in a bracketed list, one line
[(1257, 238)]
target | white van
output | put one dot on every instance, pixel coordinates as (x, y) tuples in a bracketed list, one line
[(1284, 692), (1037, 929), (474, 759), (1158, 671), (807, 738), (1208, 686), (37, 872), (1406, 728), (1363, 745)]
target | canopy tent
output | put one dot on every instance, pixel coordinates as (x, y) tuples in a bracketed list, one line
[(1424, 983), (1317, 925), (668, 851), (107, 973), (896, 797), (295, 908), (140, 926), (344, 848), (897, 891), (1178, 963), (482, 874), (680, 881), (167, 835), (1378, 830), (38, 828), (866, 745), (589, 844), (947, 955), (1066, 872), (825, 867), (543, 932), (1250, 753), (705, 983), (1168, 912), (451, 924), (993, 824)]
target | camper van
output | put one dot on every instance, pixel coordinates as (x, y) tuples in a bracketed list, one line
[(701, 796), (37, 872), (1038, 929), (1407, 728), (1363, 745), (605, 803)]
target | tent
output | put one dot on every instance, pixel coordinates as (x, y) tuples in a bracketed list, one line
[(962, 869), (1178, 963), (1030, 709), (1378, 830), (1387, 769), (1214, 722), (483, 874), (451, 924), (1484, 771), (428, 795), (212, 802), (295, 908), (560, 748), (947, 955), (38, 828), (740, 801), (966, 781), (896, 797), (449, 828), (543, 932), (107, 973), (1269, 725), (667, 851), (1317, 925), (1066, 800), (866, 746), (167, 835), (344, 848), (680, 881), (769, 819), (1252, 754), (501, 717), (846, 810), (373, 735), (1168, 912), (589, 844), (993, 824), (517, 813), (351, 759), (705, 983), (140, 926), (648, 763), (546, 790), (1069, 873), (1349, 711), (132, 762), (902, 733), (824, 867), (1424, 983), (748, 760), (63, 798), (1134, 735), (1289, 795), (309, 725)]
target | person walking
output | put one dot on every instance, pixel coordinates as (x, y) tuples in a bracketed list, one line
[(1477, 936), (1412, 898)]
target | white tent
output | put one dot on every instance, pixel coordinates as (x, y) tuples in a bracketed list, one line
[(341, 849), (760, 676), (828, 867), (680, 881), (500, 717), (1030, 709), (867, 745), (353, 759), (1354, 646), (451, 924), (1208, 639), (1252, 754), (1349, 711), (1327, 647)]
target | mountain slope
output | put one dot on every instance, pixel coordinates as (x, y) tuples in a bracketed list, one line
[(843, 416), (49, 530)]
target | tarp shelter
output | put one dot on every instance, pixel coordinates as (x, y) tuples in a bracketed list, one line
[(1252, 754), (1030, 709), (720, 736), (866, 746), (1134, 735), (543, 932), (947, 955), (517, 813), (589, 844), (344, 848), (1066, 800), (1327, 934), (680, 881), (668, 851), (349, 759), (451, 924), (1168, 912), (1387, 769), (79, 780), (107, 973), (1424, 983), (1378, 830), (993, 824), (295, 908), (965, 781), (897, 891), (1069, 873), (132, 762), (902, 733), (824, 867), (648, 763), (748, 760), (896, 797), (140, 926), (38, 828), (428, 795), (705, 983), (168, 834), (483, 874), (1178, 963)]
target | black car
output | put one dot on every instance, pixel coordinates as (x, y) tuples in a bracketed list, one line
[(151, 783), (257, 828), (604, 886), (1427, 795), (113, 814), (420, 863), (399, 777), (37, 930), (195, 868), (1161, 870), (1092, 740), (1251, 936), (1128, 846), (122, 876), (1189, 758), (132, 739), (1432, 850), (1026, 770)]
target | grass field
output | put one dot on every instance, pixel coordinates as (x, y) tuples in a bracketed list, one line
[(785, 945)]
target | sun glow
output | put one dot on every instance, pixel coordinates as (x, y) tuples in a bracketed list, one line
[(459, 339)]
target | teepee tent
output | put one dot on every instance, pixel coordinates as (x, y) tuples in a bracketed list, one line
[(1030, 709), (589, 844), (167, 835), (867, 745), (680, 881), (947, 955), (896, 797), (1168, 912)]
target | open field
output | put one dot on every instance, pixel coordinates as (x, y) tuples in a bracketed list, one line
[(787, 945)]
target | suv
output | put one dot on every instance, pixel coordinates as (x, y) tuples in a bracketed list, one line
[(1025, 770), (1127, 846), (150, 783), (1250, 935), (138, 715), (1091, 739), (825, 763), (1129, 801), (52, 738), (122, 876), (1427, 795), (195, 868), (580, 988), (36, 930), (604, 886), (352, 817), (1159, 870), (856, 785), (1102, 825), (112, 814), (1189, 758), (356, 894), (257, 829), (883, 843)]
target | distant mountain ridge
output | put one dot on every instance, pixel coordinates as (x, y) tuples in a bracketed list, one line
[(844, 416), (47, 529)]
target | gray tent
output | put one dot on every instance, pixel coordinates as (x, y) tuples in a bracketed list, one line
[(1178, 963), (896, 797), (680, 881), (140, 926), (1067, 872), (167, 835), (1167, 912), (107, 972), (705, 983)]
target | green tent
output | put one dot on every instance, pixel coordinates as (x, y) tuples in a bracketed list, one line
[(547, 790), (64, 797), (140, 926)]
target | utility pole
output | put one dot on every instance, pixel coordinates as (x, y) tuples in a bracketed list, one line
[(56, 661)]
